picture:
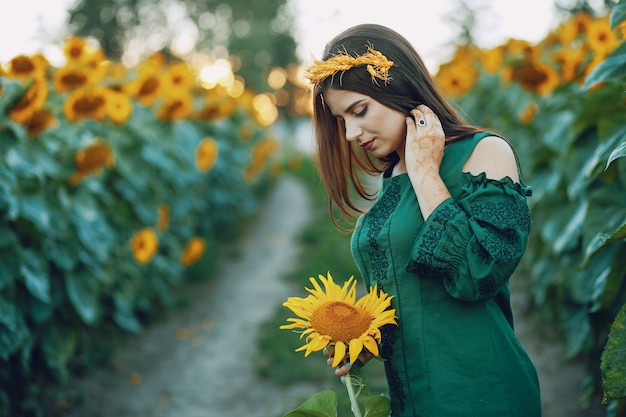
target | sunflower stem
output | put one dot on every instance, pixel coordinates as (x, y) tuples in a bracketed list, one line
[(352, 395)]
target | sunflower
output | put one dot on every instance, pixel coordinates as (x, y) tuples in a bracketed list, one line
[(459, 75), (24, 67), (529, 112), (334, 317), (175, 106), (144, 244), (206, 154), (148, 86), (72, 77), (260, 154), (193, 251), (163, 217), (91, 160), (533, 75), (600, 37), (32, 101), (86, 103), (180, 75), (40, 121), (75, 49), (119, 107)]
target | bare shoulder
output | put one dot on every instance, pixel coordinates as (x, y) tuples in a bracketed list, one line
[(493, 156)]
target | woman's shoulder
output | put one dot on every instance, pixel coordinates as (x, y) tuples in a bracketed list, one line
[(495, 157)]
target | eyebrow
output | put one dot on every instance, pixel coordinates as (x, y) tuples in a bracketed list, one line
[(350, 107)]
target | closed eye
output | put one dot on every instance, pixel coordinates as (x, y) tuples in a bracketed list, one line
[(361, 113)]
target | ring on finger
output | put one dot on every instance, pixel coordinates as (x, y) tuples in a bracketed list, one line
[(421, 122)]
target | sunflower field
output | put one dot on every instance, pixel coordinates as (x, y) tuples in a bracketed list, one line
[(115, 183), (562, 103)]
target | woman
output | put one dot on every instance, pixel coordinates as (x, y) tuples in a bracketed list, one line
[(448, 227)]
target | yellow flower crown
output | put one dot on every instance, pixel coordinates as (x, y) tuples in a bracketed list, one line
[(376, 63)]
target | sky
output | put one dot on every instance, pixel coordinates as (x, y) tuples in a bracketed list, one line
[(428, 24)]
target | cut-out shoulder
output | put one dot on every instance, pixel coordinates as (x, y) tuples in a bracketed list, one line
[(495, 157)]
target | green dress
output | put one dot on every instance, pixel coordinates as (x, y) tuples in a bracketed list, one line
[(454, 351)]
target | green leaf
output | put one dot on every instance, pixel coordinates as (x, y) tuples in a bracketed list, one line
[(124, 316), (13, 329), (322, 404), (618, 152), (613, 360), (618, 14), (12, 91), (606, 287), (83, 291), (578, 332), (614, 67), (33, 208), (35, 273), (58, 347), (379, 406)]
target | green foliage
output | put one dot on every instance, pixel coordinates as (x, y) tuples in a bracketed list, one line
[(70, 286), (614, 359)]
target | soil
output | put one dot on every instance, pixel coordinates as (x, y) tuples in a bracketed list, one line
[(199, 362)]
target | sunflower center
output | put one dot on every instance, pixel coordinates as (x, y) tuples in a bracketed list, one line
[(340, 321)]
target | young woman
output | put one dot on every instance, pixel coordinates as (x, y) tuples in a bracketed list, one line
[(448, 226)]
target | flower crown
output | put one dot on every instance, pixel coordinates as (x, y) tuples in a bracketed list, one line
[(376, 63)]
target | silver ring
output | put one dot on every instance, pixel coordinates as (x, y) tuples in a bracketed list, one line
[(421, 122)]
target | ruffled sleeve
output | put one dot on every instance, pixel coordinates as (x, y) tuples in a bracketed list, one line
[(474, 242)]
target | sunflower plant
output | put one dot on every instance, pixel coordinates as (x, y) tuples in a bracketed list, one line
[(331, 317)]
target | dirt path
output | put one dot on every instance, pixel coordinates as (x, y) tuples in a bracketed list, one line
[(199, 362)]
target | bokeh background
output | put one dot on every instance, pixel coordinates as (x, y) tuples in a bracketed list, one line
[(140, 140)]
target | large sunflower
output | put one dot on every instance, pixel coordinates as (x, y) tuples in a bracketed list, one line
[(335, 317)]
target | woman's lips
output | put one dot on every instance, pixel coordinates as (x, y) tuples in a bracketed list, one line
[(368, 145)]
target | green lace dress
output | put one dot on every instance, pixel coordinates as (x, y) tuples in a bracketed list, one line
[(454, 352)]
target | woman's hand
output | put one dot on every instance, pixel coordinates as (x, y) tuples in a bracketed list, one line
[(425, 141), (344, 365)]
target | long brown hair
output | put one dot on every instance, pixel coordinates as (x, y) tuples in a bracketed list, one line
[(339, 163)]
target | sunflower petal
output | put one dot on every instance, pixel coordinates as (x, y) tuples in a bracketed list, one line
[(340, 353), (356, 346), (371, 345)]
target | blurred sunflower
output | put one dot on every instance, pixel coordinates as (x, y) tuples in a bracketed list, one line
[(33, 100), (533, 75), (206, 154), (72, 77), (86, 103), (147, 87), (193, 251), (217, 107), (260, 153), (163, 217), (180, 75), (491, 59), (459, 75), (529, 113), (175, 106), (144, 245), (40, 121), (118, 106), (569, 60), (75, 49), (600, 37), (92, 159), (333, 316), (24, 67)]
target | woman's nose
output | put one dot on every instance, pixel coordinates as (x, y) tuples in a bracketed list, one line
[(353, 131)]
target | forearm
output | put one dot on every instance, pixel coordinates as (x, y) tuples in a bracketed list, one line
[(429, 189)]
